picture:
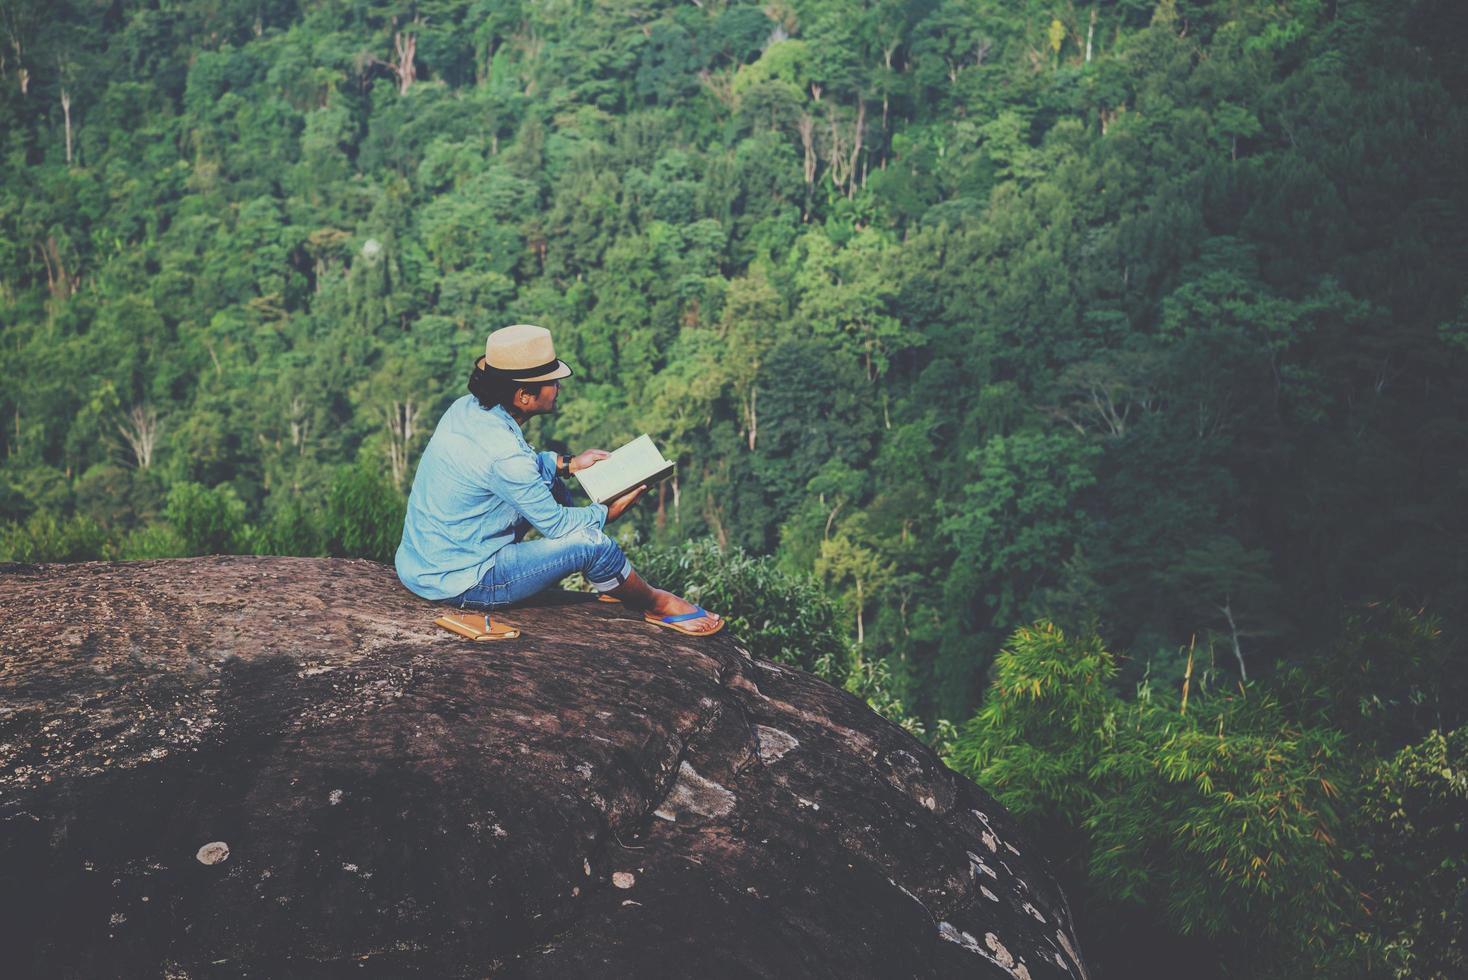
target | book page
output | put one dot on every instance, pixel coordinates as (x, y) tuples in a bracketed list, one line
[(635, 463)]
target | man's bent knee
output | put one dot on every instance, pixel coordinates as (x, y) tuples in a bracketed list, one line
[(594, 536), (607, 567)]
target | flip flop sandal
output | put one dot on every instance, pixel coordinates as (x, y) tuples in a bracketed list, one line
[(606, 597), (676, 622), (476, 626)]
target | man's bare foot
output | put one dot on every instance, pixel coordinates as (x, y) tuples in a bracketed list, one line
[(656, 604)]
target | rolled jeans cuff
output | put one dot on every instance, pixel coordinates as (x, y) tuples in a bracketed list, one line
[(617, 578)]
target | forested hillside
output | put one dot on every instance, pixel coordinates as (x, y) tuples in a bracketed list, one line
[(1143, 319)]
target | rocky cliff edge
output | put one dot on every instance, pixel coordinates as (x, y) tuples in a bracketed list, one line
[(278, 767)]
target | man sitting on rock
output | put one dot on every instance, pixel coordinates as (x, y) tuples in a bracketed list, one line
[(480, 487)]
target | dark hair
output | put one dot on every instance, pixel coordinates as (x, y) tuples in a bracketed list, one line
[(495, 389)]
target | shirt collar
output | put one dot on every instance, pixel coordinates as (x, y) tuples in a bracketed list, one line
[(499, 412)]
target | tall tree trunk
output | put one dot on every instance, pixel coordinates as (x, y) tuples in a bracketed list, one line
[(806, 126), (845, 148), (22, 73), (58, 279), (1187, 678), (715, 520), (831, 519), (887, 53), (300, 426), (139, 428), (401, 416), (407, 48), (66, 112), (1233, 629), (751, 418), (50, 273)]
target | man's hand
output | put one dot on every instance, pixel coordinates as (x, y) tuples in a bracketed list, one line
[(582, 460), (617, 505)]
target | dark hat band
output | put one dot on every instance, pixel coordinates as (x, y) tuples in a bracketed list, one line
[(520, 374)]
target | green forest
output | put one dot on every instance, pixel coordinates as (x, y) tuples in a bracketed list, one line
[(1084, 384)]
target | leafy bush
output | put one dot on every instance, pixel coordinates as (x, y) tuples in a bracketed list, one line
[(153, 541), (1388, 679), (1043, 726), (364, 515), (207, 522), (43, 537), (1415, 858), (294, 529), (778, 615), (1216, 818), (872, 681), (781, 616), (1224, 822)]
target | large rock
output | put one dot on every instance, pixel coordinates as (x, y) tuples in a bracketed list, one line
[(277, 767)]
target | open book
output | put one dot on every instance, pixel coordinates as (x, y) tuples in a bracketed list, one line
[(634, 464)]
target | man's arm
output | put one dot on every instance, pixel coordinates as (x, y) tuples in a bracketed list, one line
[(550, 467), (554, 472), (557, 468), (521, 481)]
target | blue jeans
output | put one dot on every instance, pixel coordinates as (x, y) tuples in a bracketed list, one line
[(524, 568)]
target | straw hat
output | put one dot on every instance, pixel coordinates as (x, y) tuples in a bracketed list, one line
[(523, 352)]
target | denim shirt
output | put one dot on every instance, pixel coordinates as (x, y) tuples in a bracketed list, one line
[(479, 486)]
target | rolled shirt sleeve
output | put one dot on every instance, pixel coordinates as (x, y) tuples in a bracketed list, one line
[(547, 461), (522, 480)]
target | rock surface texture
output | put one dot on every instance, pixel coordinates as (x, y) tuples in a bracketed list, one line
[(277, 767)]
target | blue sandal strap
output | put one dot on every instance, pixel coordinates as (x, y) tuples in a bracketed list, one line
[(697, 612)]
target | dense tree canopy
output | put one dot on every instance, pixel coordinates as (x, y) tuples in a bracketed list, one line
[(1145, 318)]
